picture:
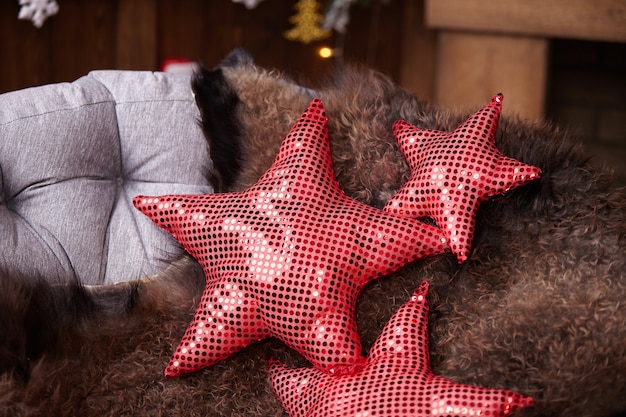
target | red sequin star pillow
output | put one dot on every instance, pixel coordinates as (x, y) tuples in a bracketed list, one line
[(286, 258), (453, 172), (396, 380)]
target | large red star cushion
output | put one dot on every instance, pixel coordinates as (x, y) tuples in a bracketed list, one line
[(396, 381), (453, 172), (287, 257)]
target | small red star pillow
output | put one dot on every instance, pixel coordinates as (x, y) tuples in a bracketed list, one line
[(453, 172), (286, 258), (396, 380)]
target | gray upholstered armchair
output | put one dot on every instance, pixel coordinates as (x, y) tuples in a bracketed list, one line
[(73, 155)]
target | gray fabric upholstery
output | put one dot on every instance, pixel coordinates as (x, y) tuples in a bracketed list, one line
[(72, 157)]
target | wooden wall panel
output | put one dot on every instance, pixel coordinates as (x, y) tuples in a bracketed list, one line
[(139, 34), (181, 29), (417, 68), (375, 36), (220, 32), (136, 35), (83, 38), (25, 51)]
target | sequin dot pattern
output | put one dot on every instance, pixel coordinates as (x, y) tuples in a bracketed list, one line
[(452, 173), (286, 258), (396, 381)]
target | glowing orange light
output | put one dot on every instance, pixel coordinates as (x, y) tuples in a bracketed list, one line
[(325, 52)]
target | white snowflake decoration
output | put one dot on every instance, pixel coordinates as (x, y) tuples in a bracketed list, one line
[(250, 4), (37, 10), (338, 15)]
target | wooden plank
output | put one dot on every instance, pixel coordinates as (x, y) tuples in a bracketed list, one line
[(136, 36), (25, 51), (81, 38), (386, 47), (260, 30), (471, 68), (417, 68), (602, 20), (181, 29), (221, 32)]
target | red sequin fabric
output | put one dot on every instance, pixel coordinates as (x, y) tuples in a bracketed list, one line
[(396, 380), (286, 258), (453, 172)]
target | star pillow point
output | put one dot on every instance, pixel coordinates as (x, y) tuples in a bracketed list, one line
[(452, 173), (396, 380), (286, 258)]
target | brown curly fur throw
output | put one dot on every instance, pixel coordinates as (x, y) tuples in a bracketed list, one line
[(538, 308)]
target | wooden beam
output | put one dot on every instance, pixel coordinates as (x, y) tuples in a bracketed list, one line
[(471, 68), (601, 20)]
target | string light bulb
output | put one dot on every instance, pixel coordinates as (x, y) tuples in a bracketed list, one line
[(326, 52)]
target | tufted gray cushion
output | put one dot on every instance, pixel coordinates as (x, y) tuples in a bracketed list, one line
[(73, 155)]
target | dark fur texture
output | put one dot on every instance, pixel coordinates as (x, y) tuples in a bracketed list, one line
[(219, 125), (538, 307)]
